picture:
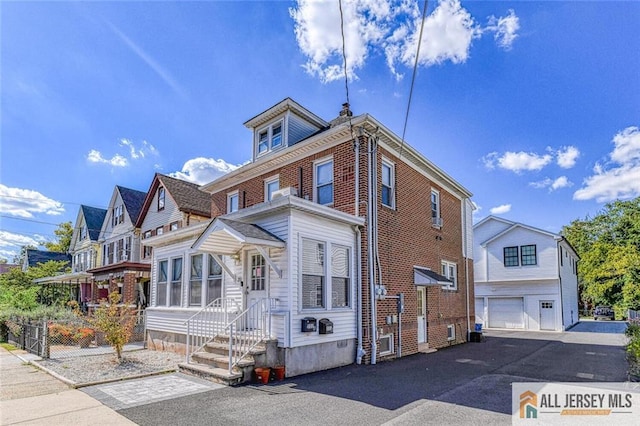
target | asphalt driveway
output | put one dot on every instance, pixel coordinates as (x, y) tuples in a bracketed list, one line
[(464, 384)]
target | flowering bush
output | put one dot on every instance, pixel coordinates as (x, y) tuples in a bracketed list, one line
[(69, 334), (84, 333)]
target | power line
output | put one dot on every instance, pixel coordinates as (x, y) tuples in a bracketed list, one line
[(413, 76)]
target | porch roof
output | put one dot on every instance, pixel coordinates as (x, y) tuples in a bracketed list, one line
[(228, 237), (425, 276), (73, 278)]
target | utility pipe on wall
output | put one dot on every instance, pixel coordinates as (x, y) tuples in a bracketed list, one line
[(371, 205)]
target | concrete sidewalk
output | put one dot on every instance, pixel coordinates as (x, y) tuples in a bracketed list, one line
[(31, 396)]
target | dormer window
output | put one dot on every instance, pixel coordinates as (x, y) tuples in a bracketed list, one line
[(270, 138)]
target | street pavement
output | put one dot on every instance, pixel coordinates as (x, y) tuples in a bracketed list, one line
[(463, 384)]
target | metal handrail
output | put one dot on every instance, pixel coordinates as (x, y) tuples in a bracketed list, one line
[(249, 329), (209, 322)]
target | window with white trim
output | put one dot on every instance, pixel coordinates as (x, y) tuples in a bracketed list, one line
[(449, 270), (161, 290), (436, 220), (161, 198), (386, 344), (117, 215), (340, 277), (323, 182), (195, 281), (388, 184), (175, 292), (271, 185), (232, 202), (214, 280), (451, 332), (313, 274), (269, 138)]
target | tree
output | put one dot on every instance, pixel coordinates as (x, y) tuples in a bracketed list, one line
[(64, 233), (115, 321), (17, 289), (609, 249)]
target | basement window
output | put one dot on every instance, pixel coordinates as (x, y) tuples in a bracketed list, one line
[(386, 344), (451, 332)]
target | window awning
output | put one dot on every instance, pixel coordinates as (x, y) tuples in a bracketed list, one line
[(72, 278), (425, 276)]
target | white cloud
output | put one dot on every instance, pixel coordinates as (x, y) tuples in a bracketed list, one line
[(204, 170), (516, 161), (567, 156), (505, 28), (622, 179), (389, 26), (502, 209), (26, 203), (136, 153), (558, 183), (117, 160)]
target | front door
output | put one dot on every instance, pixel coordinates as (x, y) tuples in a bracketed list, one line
[(547, 315), (257, 285), (422, 314)]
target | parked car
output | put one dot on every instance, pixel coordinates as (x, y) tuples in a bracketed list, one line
[(603, 312)]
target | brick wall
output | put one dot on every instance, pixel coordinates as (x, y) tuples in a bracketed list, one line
[(406, 238)]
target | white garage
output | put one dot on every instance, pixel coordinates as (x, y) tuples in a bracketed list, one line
[(506, 312)]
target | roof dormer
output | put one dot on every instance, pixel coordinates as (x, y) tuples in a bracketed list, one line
[(281, 126)]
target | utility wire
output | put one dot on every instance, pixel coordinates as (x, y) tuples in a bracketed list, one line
[(413, 76), (344, 62)]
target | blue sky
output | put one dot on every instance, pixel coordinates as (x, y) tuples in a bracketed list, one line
[(533, 106)]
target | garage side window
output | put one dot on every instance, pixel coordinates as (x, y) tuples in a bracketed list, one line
[(511, 256), (528, 255)]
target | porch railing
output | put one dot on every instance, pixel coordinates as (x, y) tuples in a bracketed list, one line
[(209, 322), (249, 329)]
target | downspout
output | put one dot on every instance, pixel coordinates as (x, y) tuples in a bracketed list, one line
[(370, 258), (360, 351), (356, 211), (466, 261)]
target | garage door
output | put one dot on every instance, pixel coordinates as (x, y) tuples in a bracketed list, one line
[(506, 312)]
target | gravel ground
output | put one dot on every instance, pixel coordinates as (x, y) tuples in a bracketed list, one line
[(102, 368)]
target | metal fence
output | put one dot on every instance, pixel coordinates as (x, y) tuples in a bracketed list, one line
[(64, 339)]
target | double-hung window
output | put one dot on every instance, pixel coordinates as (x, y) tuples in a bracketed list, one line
[(270, 138), (511, 256), (313, 274), (195, 281), (161, 293), (175, 293), (271, 185), (528, 255), (161, 198), (214, 280), (388, 184), (449, 270), (340, 277), (435, 209), (520, 256), (323, 182), (232, 202)]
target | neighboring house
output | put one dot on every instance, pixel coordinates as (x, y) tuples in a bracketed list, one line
[(120, 268), (525, 278), (33, 257), (85, 252), (170, 205), (289, 251)]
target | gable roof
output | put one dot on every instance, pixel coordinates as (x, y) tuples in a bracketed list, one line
[(132, 200), (187, 196), (281, 107), (34, 257), (514, 225), (93, 218)]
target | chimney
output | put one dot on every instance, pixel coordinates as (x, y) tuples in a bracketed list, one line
[(345, 115), (346, 112)]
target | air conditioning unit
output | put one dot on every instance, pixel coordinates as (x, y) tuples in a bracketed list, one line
[(289, 190), (437, 222)]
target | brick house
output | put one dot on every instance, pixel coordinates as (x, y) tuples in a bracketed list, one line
[(351, 257)]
